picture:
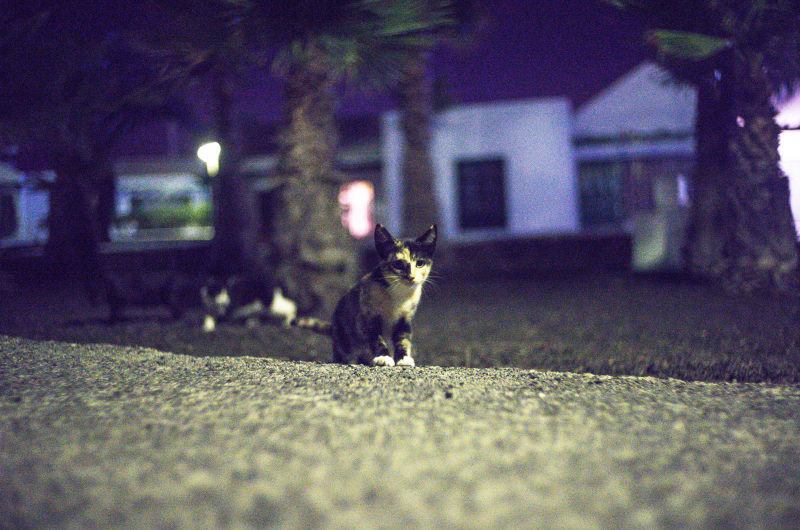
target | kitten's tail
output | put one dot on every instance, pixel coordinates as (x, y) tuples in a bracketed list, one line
[(314, 324)]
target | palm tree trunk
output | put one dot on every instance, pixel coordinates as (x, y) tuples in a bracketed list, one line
[(73, 224), (314, 256), (742, 233), (415, 96), (764, 241), (233, 217), (710, 225)]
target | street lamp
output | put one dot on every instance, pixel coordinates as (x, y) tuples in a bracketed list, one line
[(209, 153)]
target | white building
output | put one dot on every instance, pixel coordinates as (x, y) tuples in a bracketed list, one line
[(501, 170), (619, 163)]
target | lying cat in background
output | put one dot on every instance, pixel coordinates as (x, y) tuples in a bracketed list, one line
[(379, 308), (244, 299)]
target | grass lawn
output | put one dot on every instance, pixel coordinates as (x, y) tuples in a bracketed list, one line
[(609, 323)]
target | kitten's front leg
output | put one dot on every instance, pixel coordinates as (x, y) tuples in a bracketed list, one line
[(377, 344), (401, 340)]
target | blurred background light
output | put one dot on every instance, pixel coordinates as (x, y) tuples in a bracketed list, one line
[(356, 199), (209, 153), (789, 152)]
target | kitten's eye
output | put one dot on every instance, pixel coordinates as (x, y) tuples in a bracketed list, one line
[(398, 264), (422, 262)]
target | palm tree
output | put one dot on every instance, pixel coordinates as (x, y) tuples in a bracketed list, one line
[(415, 98), (314, 257), (414, 91), (738, 55), (72, 86), (217, 43), (321, 43), (366, 40)]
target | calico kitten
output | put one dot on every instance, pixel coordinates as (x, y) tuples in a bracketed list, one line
[(240, 298), (379, 308)]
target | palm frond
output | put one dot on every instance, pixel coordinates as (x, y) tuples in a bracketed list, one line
[(391, 32), (686, 44), (371, 39)]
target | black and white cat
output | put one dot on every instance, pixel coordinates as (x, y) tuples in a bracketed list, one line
[(379, 308), (239, 298)]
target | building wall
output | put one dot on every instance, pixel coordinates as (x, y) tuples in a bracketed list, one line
[(533, 138)]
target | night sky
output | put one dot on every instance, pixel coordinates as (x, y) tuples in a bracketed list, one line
[(528, 49), (525, 49), (548, 48)]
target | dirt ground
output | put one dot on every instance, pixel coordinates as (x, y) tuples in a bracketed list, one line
[(605, 323)]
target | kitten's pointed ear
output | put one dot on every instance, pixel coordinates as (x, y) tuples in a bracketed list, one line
[(428, 239), (384, 242)]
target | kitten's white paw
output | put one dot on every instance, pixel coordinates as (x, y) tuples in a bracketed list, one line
[(209, 324), (406, 361), (383, 360)]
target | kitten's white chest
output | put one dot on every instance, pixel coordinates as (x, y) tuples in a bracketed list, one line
[(406, 301), (395, 302)]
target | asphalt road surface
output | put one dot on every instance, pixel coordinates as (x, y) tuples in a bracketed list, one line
[(112, 436)]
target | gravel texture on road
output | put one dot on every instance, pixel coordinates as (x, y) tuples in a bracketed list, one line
[(117, 436)]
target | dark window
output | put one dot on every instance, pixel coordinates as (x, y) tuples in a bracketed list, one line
[(601, 192), (481, 193), (614, 190), (8, 215)]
